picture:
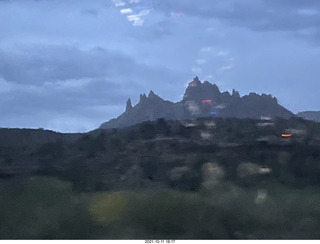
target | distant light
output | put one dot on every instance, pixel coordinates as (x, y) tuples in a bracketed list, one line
[(214, 112), (286, 135)]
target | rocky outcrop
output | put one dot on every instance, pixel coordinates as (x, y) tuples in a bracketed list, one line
[(200, 100), (255, 106), (128, 106), (149, 108)]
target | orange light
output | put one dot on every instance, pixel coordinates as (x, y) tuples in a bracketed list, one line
[(286, 135)]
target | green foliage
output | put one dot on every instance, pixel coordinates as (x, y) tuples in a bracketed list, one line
[(163, 214), (47, 208), (108, 208), (227, 212), (42, 208)]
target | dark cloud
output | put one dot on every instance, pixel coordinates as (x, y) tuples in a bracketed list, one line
[(55, 63), (260, 15), (51, 63), (85, 105), (63, 81)]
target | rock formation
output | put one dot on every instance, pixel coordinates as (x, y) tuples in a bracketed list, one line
[(200, 100)]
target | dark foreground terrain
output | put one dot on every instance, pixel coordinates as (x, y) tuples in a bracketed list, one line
[(196, 179)]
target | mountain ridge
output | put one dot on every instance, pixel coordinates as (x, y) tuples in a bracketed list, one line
[(199, 100), (310, 115)]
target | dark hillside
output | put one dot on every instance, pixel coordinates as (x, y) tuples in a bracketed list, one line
[(209, 178), (35, 137), (149, 154)]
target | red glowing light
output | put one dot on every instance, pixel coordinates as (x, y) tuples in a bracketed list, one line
[(207, 102)]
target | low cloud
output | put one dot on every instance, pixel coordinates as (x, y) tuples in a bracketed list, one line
[(36, 65), (41, 84), (69, 106)]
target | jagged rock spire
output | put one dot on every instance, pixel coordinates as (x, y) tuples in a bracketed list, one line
[(151, 94), (153, 97), (142, 97), (235, 93), (129, 105)]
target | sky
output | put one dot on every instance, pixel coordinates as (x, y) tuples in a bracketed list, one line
[(71, 65)]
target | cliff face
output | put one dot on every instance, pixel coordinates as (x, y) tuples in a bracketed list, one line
[(200, 100)]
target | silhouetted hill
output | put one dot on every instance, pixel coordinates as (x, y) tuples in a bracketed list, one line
[(200, 100), (143, 155), (35, 137), (310, 115)]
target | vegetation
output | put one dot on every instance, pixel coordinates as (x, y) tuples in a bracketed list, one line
[(46, 208)]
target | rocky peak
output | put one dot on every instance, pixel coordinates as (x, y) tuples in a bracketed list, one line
[(153, 96), (198, 91), (206, 83), (255, 98), (143, 97), (235, 93), (129, 105), (195, 83)]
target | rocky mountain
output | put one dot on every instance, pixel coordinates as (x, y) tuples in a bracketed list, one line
[(200, 100), (149, 108), (310, 115)]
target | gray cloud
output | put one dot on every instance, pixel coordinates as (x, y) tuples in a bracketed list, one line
[(260, 15), (55, 63), (57, 105), (38, 65), (49, 82)]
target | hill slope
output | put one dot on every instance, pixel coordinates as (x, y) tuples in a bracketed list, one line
[(310, 115)]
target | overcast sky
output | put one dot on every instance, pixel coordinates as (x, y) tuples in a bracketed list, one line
[(71, 65)]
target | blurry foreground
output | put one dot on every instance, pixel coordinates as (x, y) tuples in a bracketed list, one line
[(47, 208)]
